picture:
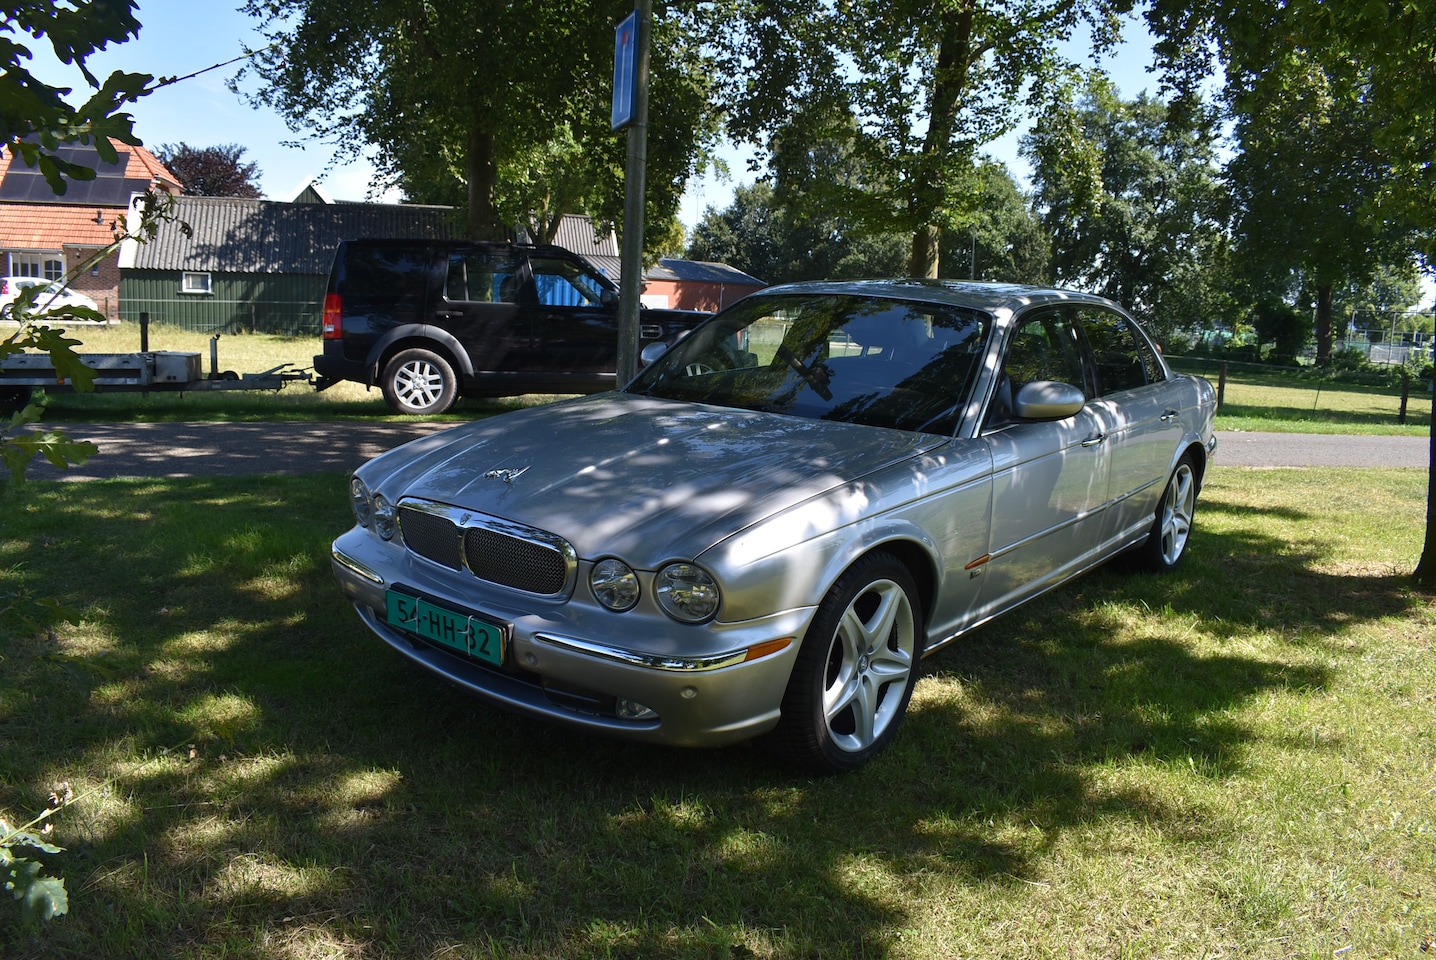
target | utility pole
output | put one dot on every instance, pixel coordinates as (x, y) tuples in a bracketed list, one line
[(631, 72)]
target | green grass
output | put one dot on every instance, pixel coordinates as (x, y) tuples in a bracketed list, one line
[(1236, 760), (1255, 400), (239, 353)]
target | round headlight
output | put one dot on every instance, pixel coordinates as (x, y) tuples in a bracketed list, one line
[(686, 592), (359, 500), (614, 584), (384, 514)]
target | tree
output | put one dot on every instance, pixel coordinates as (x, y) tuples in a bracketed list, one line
[(501, 106), (1306, 184), (910, 89), (35, 118), (211, 171), (1384, 49), (37, 122), (1137, 212)]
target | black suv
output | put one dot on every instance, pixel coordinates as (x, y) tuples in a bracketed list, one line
[(432, 320)]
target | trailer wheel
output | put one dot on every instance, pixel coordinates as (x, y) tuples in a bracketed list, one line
[(418, 381), (14, 399)]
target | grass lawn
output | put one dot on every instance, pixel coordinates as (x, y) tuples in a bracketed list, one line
[(1255, 400), (1236, 760)]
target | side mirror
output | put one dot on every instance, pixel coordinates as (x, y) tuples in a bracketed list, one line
[(1048, 400), (651, 353), (608, 298)]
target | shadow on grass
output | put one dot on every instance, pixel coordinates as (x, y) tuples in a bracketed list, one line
[(338, 802)]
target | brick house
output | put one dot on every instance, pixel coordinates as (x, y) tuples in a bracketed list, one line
[(53, 236)]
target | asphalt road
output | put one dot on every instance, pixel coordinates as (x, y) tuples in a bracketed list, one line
[(243, 449)]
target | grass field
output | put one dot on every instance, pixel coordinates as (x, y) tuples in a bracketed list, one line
[(1254, 400), (1234, 761)]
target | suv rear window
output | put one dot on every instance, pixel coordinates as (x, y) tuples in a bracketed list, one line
[(394, 277)]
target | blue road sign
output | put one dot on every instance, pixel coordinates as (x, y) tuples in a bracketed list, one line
[(625, 72)]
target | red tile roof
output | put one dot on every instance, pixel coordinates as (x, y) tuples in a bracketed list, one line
[(51, 226), (34, 226)]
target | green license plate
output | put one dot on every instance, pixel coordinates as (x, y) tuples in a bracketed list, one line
[(466, 634)]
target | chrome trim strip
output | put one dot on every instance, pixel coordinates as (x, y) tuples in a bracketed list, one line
[(650, 661), (355, 567)]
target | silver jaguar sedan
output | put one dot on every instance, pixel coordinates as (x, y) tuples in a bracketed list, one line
[(767, 529)]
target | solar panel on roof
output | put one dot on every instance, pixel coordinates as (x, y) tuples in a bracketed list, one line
[(110, 188)]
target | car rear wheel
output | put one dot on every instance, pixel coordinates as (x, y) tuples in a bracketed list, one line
[(419, 381), (854, 675), (1172, 526)]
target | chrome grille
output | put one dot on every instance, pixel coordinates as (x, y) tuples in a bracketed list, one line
[(431, 537), (493, 550)]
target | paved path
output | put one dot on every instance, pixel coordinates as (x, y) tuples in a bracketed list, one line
[(240, 449)]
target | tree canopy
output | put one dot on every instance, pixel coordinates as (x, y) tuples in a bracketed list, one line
[(911, 90), (1137, 211), (499, 107), (218, 171)]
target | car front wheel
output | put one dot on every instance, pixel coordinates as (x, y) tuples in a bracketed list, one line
[(419, 381), (854, 675)]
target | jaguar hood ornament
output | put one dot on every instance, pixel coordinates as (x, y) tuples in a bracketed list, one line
[(507, 475)]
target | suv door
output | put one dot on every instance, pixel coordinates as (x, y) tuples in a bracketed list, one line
[(481, 307), (577, 330)]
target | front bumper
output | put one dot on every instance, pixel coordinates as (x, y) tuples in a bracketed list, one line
[(572, 666)]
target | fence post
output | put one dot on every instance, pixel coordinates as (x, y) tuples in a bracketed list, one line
[(1221, 384), (1405, 395), (144, 331)]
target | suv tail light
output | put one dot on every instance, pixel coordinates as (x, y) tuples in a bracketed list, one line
[(333, 312)]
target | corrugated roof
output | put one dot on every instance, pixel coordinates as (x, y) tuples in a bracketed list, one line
[(262, 236), (575, 233), (701, 271)]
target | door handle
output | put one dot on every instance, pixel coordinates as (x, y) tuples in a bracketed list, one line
[(1098, 440), (1168, 415)]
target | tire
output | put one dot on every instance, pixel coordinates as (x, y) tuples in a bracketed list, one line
[(854, 674), (419, 382), (1166, 544)]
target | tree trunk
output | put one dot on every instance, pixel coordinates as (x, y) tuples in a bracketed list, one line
[(483, 164), (923, 262), (1323, 325), (929, 189), (1426, 569)]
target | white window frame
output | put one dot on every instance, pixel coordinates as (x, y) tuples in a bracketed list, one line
[(197, 282)]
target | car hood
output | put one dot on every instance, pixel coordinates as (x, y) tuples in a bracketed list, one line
[(646, 480)]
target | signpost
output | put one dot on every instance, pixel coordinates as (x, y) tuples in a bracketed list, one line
[(630, 111)]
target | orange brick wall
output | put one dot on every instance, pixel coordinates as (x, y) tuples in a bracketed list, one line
[(104, 289)]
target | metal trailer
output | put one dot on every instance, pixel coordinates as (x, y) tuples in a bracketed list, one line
[(141, 372)]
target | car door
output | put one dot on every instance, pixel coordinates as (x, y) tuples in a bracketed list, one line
[(481, 308), (1049, 477), (1141, 419), (577, 330)]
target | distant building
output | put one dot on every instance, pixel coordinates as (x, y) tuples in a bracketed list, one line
[(671, 283), (259, 265), (47, 235)]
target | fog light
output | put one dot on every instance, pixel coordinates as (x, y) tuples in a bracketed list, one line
[(633, 710)]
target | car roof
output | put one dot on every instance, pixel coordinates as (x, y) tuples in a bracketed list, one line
[(994, 298)]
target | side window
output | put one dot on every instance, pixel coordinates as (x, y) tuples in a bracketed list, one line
[(1044, 346), (477, 276), (1123, 357), (561, 283)]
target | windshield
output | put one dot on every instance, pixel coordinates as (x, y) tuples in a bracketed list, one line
[(855, 359)]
